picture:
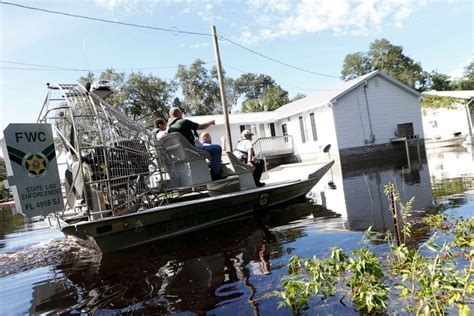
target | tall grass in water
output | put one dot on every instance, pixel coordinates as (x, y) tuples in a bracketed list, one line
[(426, 279)]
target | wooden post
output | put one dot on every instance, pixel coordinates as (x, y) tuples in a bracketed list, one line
[(228, 139), (408, 154), (396, 224)]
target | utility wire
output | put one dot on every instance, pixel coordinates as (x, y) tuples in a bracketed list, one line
[(276, 60), (281, 83), (38, 69), (46, 67), (173, 30)]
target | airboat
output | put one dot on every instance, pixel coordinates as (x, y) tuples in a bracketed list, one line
[(122, 188)]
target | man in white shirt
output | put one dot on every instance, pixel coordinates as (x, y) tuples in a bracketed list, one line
[(160, 128), (245, 153)]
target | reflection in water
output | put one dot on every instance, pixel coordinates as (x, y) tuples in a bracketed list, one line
[(196, 272), (451, 170), (228, 269), (359, 193)]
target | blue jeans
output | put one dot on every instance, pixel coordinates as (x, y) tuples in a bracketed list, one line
[(216, 156)]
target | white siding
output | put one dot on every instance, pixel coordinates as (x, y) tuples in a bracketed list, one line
[(366, 201), (217, 133), (324, 128), (445, 122), (388, 106)]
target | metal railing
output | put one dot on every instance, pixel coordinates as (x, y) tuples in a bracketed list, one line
[(273, 146)]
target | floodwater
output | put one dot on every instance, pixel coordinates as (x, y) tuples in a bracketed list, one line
[(230, 269)]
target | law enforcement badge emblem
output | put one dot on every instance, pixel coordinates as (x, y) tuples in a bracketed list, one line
[(35, 164)]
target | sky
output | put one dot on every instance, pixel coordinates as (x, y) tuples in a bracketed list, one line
[(311, 35)]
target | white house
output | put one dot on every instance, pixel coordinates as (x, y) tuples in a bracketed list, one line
[(444, 122), (355, 116)]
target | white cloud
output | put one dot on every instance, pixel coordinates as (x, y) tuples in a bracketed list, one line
[(200, 45), (287, 18), (127, 6), (458, 73), (204, 9), (270, 19)]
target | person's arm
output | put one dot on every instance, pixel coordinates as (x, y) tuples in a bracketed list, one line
[(250, 152), (249, 155), (206, 125)]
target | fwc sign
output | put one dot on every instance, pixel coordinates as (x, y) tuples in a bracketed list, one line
[(32, 168)]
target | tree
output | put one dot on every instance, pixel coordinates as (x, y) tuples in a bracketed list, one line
[(89, 78), (3, 170), (141, 97), (251, 105), (117, 82), (355, 65), (147, 97), (274, 97), (252, 86), (4, 193), (261, 93), (231, 94), (439, 82), (199, 88), (389, 58), (298, 96), (467, 81)]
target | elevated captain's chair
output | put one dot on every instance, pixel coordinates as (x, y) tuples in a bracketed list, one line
[(236, 167), (187, 164)]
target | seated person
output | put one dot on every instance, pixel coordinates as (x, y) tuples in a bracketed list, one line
[(216, 154), (160, 128), (245, 153), (188, 129)]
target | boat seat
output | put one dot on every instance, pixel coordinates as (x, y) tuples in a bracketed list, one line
[(236, 167), (186, 164), (179, 148)]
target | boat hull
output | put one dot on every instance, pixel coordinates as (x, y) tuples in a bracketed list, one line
[(122, 232), (448, 142)]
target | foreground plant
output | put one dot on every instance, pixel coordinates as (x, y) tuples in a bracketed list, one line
[(428, 280)]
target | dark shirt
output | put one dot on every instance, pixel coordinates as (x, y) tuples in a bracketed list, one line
[(185, 127)]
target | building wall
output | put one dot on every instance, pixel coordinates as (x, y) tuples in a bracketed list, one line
[(367, 204), (440, 122), (217, 133), (388, 106), (311, 148)]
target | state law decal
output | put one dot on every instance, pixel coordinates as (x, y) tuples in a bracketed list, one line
[(32, 168)]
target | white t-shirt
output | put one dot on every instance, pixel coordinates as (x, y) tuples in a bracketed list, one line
[(160, 134), (242, 149)]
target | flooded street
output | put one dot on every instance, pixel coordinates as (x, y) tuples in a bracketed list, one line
[(230, 269)]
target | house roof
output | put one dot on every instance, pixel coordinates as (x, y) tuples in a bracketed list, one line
[(237, 118), (331, 95), (318, 99), (462, 94)]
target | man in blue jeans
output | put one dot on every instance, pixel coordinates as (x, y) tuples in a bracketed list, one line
[(216, 155), (188, 128)]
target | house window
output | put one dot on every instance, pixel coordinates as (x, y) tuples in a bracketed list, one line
[(303, 137), (247, 127), (284, 129), (313, 126), (272, 129)]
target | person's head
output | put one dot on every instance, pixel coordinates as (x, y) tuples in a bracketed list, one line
[(175, 112), (160, 124), (206, 138), (246, 134)]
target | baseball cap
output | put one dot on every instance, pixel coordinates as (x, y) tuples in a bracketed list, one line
[(246, 132)]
